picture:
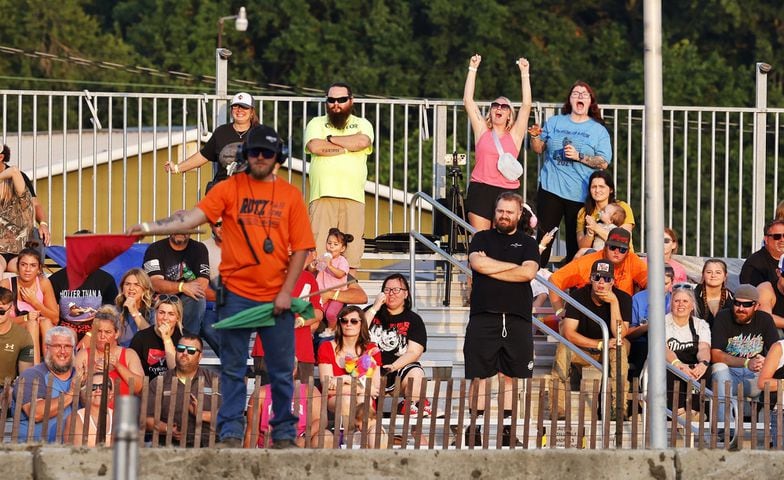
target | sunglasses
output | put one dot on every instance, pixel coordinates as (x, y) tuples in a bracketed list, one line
[(667, 241), (185, 348), (241, 107), (218, 224), (683, 286), (99, 386), (775, 236), (338, 99), (620, 249), (596, 277), (394, 290), (261, 152), (346, 321), (502, 106), (168, 298), (746, 304)]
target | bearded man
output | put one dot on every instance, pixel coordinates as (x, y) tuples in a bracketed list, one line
[(339, 144)]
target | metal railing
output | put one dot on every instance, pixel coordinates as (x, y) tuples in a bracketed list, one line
[(708, 157)]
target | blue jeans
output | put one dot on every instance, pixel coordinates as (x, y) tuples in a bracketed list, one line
[(278, 342), (209, 334), (735, 375), (198, 321)]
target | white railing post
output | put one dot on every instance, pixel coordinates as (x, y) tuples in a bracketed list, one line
[(759, 211)]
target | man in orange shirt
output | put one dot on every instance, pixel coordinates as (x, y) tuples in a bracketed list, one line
[(263, 216), (630, 270)]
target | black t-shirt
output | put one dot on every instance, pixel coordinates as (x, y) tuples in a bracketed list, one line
[(221, 148), (491, 295), (759, 267), (177, 265), (588, 327), (149, 346), (743, 341), (392, 332), (701, 310), (29, 183), (78, 307)]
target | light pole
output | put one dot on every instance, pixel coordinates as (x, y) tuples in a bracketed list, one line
[(240, 23)]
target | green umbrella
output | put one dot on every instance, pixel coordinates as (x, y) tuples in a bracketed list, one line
[(261, 315)]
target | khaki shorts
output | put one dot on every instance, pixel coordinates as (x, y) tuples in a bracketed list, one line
[(347, 215)]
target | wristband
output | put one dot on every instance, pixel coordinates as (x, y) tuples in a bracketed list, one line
[(335, 295), (746, 363), (675, 362), (43, 224), (599, 345), (137, 314), (542, 247), (146, 227), (559, 311), (472, 69), (176, 168), (179, 287)]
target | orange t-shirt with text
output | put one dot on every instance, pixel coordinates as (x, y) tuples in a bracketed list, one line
[(577, 273), (267, 209)]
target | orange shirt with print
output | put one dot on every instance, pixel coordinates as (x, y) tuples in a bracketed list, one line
[(267, 209), (577, 273)]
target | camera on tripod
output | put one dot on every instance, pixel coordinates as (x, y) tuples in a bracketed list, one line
[(455, 159)]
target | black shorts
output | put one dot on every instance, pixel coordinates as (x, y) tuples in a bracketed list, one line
[(481, 198), (487, 351), (390, 387)]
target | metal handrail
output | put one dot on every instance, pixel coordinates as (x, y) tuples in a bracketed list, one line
[(415, 235)]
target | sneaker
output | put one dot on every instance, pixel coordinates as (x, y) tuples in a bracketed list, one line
[(283, 444), (411, 411), (229, 442), (327, 333), (425, 406), (506, 437)]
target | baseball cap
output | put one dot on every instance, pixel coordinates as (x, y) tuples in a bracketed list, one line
[(243, 99), (264, 137), (748, 292), (619, 237), (603, 268)]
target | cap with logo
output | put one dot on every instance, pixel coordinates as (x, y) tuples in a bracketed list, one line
[(618, 237), (603, 268), (243, 99)]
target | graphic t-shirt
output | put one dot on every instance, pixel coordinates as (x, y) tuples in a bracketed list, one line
[(149, 346), (78, 307), (392, 332), (177, 265), (680, 338), (743, 341), (221, 149)]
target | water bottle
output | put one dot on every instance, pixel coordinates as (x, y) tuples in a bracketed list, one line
[(322, 263)]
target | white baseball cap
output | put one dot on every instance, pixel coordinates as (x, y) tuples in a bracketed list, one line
[(243, 99)]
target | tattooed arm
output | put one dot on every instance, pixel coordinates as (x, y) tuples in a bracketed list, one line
[(597, 161), (178, 222)]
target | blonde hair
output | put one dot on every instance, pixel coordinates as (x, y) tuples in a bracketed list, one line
[(509, 121)]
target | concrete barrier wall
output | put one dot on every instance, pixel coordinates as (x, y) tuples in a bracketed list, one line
[(40, 462)]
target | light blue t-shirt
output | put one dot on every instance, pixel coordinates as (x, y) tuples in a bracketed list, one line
[(559, 175), (640, 311)]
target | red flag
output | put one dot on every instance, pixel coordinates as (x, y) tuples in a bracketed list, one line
[(86, 253)]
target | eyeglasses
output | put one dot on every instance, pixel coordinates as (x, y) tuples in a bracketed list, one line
[(338, 99), (746, 304), (620, 249), (394, 290), (346, 321), (502, 106), (168, 298), (241, 107), (261, 152), (667, 240), (581, 95), (683, 286), (598, 278), (775, 236), (185, 348), (57, 346)]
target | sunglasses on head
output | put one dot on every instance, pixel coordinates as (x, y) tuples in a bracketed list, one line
[(775, 236), (620, 249), (746, 304), (597, 277), (683, 286), (168, 298), (502, 106), (338, 99), (346, 321), (261, 152), (186, 348)]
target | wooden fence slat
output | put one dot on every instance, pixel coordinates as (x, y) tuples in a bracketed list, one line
[(157, 409), (702, 415), (674, 417), (582, 399), (431, 442), (216, 398), (48, 393), (607, 418), (255, 413), (323, 414), (515, 405), (419, 429), (499, 412), (488, 383), (727, 409), (186, 401), (170, 415), (339, 430), (554, 394), (366, 413), (379, 418), (739, 420), (198, 412), (143, 409), (779, 414), (714, 422), (407, 413), (459, 435), (528, 386), (595, 412), (393, 413), (765, 417), (5, 404), (540, 433)]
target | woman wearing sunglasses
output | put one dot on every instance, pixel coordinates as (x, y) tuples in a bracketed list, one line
[(575, 144), (339, 358), (401, 336), (135, 303), (487, 181), (155, 344), (688, 347), (222, 146), (712, 293), (91, 393), (124, 363)]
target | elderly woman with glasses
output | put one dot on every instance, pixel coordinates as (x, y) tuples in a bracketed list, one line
[(91, 393), (401, 336), (499, 130), (155, 344), (574, 144), (124, 363), (344, 356), (222, 146), (688, 345)]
